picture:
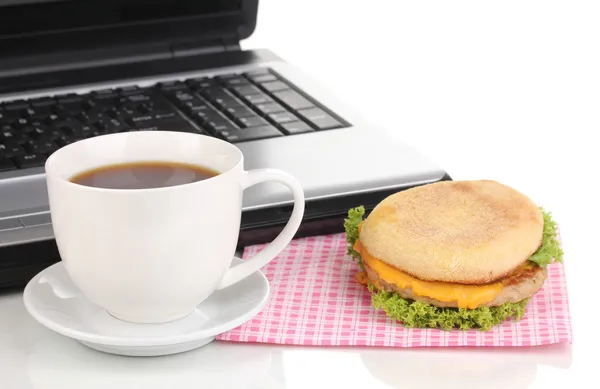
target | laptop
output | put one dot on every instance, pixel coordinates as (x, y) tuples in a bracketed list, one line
[(73, 69)]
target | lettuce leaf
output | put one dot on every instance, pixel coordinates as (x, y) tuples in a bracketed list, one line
[(550, 249), (420, 314), (355, 216)]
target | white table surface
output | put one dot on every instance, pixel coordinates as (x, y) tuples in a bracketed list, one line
[(507, 91)]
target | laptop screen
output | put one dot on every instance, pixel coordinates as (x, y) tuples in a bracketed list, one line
[(19, 18)]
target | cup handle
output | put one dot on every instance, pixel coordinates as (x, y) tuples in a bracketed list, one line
[(249, 266)]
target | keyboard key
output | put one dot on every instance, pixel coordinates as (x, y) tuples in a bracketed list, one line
[(55, 134), (182, 96), (85, 117), (233, 80), (257, 72), (215, 127), (196, 104), (226, 101), (227, 135), (282, 117), (38, 112), (37, 131), (275, 86), (270, 108), (227, 76), (240, 112), (153, 119), (20, 123), (69, 98), (247, 90), (138, 98), (16, 105), (161, 107), (215, 93), (7, 134), (166, 116), (66, 109), (123, 112), (201, 83), (263, 78), (42, 102), (252, 133), (52, 119), (199, 111), (141, 120), (66, 140), (45, 147), (258, 99), (205, 116), (29, 160), (103, 94), (319, 118), (15, 139), (13, 149), (115, 125), (73, 127), (293, 99), (293, 128), (252, 121), (172, 85), (225, 104), (93, 105), (128, 89)]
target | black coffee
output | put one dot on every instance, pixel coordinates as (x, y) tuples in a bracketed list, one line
[(143, 175)]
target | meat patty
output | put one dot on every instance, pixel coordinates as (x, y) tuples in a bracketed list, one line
[(524, 282)]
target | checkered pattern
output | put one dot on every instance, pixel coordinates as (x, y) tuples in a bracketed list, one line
[(315, 300)]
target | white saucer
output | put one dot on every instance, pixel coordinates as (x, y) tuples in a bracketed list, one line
[(54, 301)]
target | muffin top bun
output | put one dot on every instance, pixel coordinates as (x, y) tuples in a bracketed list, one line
[(467, 232)]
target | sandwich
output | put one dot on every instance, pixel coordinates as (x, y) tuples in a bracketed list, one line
[(453, 254)]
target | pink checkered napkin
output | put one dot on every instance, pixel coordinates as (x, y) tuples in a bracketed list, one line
[(315, 300)]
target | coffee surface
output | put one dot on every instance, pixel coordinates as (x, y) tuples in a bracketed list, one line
[(143, 175)]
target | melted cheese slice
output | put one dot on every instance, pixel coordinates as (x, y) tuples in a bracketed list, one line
[(465, 296)]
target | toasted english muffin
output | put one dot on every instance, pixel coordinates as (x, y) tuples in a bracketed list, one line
[(465, 232)]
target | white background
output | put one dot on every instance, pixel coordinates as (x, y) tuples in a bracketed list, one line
[(505, 90)]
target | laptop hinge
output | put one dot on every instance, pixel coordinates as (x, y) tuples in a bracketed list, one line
[(188, 49), (14, 65), (90, 58)]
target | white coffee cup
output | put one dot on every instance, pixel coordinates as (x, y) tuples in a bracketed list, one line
[(153, 255)]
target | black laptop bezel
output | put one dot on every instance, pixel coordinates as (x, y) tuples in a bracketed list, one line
[(154, 36)]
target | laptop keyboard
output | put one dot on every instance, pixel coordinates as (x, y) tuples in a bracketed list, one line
[(234, 107)]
